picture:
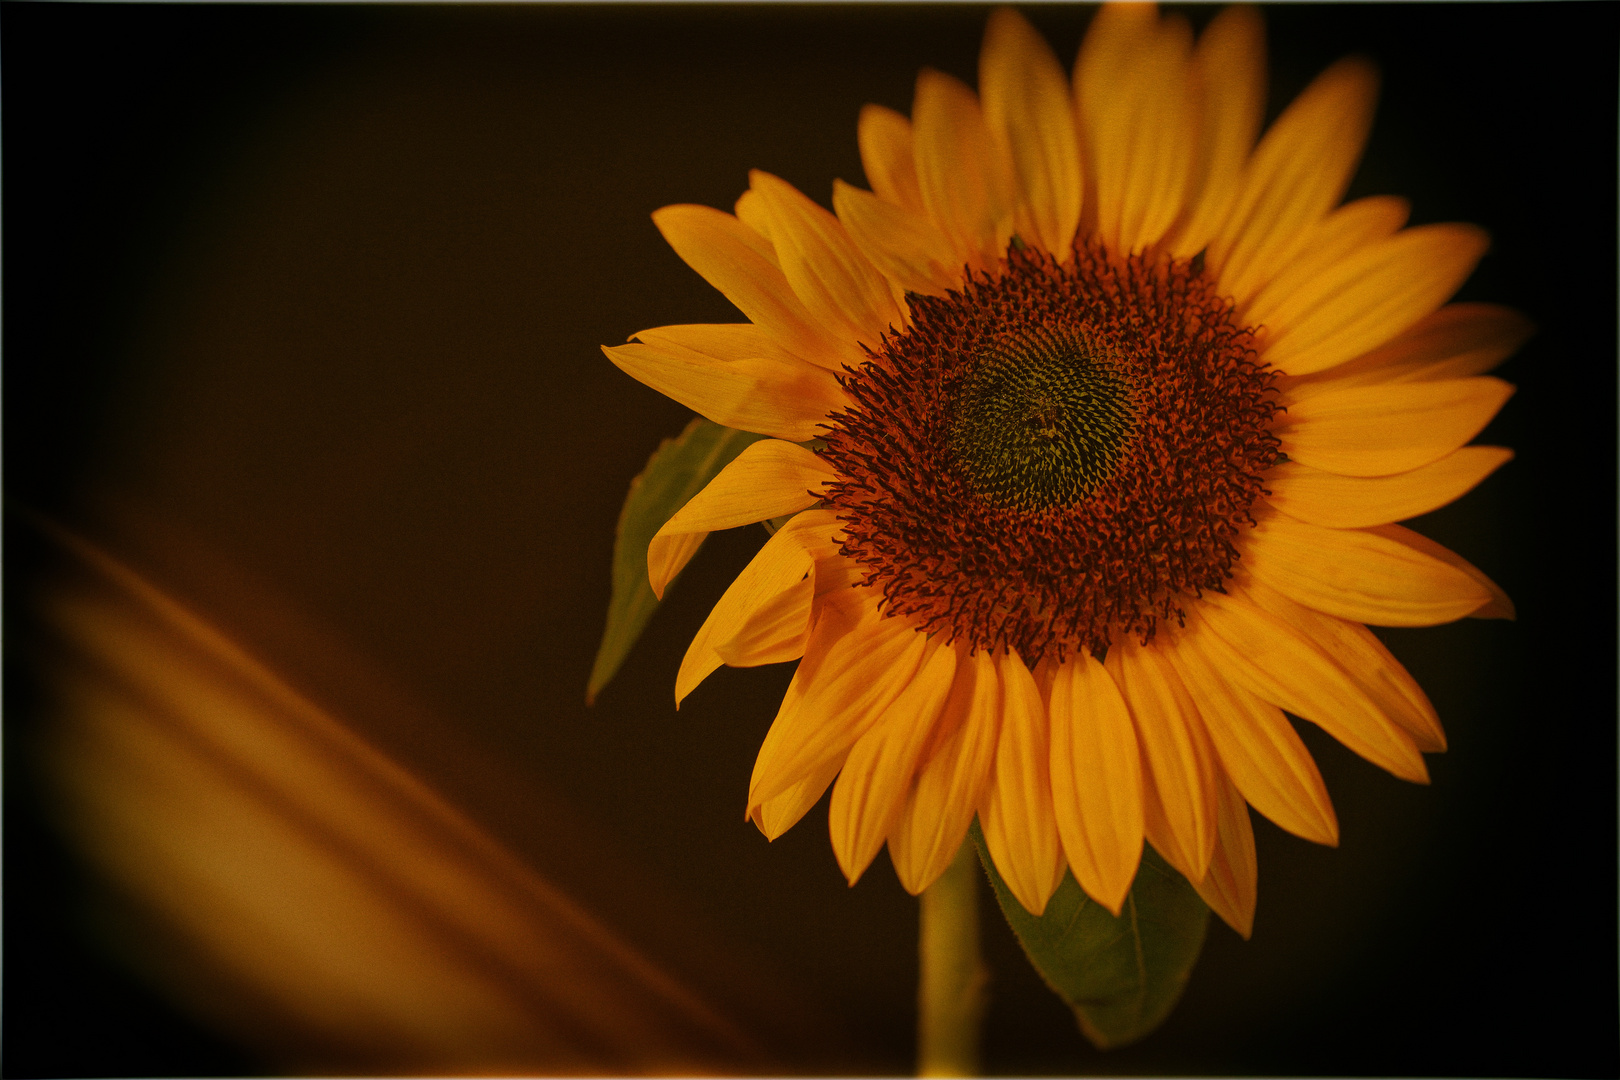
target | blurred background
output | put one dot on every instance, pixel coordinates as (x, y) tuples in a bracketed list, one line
[(312, 466)]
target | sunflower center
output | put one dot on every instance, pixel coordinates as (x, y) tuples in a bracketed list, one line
[(1040, 421), (1055, 455)]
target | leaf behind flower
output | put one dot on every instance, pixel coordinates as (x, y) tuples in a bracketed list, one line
[(1121, 976), (679, 469)]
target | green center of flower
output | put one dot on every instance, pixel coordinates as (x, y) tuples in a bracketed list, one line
[(1041, 420)]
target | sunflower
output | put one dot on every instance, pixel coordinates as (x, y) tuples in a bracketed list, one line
[(1087, 429)]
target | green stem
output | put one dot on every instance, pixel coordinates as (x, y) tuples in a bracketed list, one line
[(950, 986)]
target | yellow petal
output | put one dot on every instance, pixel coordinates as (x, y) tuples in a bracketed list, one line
[(768, 479), (775, 816), (1278, 664), (1178, 762), (742, 264), (1233, 884), (1498, 607), (778, 568), (905, 246), (1096, 780), (1138, 122), (856, 663), (839, 287), (1350, 502), (887, 157), (957, 171), (1359, 574), (1027, 109), (750, 210), (1229, 74), (1257, 746), (1016, 812), (1392, 428), (1368, 663), (774, 632), (771, 393), (1369, 297), (1343, 234), (1455, 342), (871, 791), (951, 782), (1298, 173)]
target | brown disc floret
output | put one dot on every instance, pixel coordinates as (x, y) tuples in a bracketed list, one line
[(1055, 454)]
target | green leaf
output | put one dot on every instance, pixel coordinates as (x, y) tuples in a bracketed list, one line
[(1120, 976), (678, 470)]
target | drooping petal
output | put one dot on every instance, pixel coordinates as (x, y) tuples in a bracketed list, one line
[(1359, 574), (1392, 428), (777, 815), (769, 392), (1343, 234), (872, 788), (1232, 885), (958, 174), (1284, 667), (907, 247), (1298, 173), (1258, 748), (951, 781), (1016, 812), (775, 631), (768, 479), (1027, 109), (888, 157), (1177, 758), (1365, 659), (1455, 342), (1352, 502), (750, 210), (1365, 299), (1229, 76), (1096, 779), (778, 568), (1139, 127), (742, 265), (856, 663), (1499, 606), (836, 283)]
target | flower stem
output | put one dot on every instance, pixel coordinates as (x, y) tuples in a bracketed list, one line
[(950, 986)]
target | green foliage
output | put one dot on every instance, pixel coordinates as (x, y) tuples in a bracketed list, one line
[(678, 470), (1120, 976)]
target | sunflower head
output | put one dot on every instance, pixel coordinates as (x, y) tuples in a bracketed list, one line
[(1115, 406)]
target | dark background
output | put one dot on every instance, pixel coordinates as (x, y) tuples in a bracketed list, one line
[(302, 307)]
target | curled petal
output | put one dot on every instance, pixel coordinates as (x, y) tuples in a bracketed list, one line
[(779, 567), (872, 788), (768, 479)]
